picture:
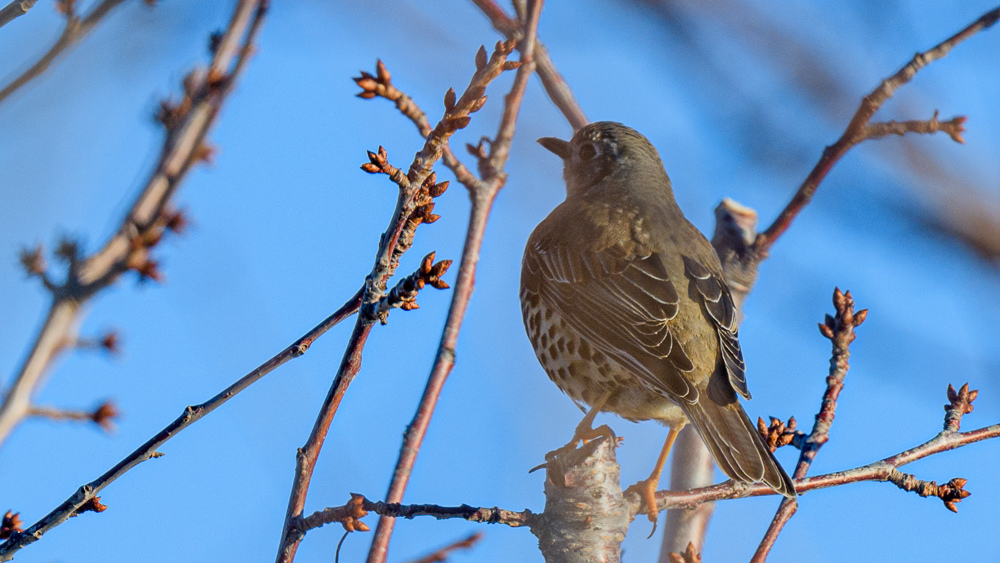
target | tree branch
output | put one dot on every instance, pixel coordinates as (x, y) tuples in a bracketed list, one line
[(74, 31), (840, 330), (15, 9), (555, 85), (413, 207), (859, 130), (483, 193), (187, 124)]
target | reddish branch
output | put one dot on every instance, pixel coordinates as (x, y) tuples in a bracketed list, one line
[(380, 85), (859, 129), (413, 207), (483, 193), (103, 415), (440, 555), (555, 85), (840, 330)]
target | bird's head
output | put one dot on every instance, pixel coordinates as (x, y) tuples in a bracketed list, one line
[(603, 150)]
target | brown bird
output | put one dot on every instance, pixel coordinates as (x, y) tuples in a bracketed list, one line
[(626, 306)]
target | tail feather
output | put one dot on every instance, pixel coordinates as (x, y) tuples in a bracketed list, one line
[(736, 445)]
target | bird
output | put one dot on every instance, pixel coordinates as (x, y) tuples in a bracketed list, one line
[(626, 306)]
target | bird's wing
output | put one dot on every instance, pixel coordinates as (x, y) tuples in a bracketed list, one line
[(621, 304), (718, 303)]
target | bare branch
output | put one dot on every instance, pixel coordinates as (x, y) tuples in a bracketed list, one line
[(191, 414), (75, 30), (555, 85), (440, 555), (877, 471), (103, 415), (187, 124), (381, 85), (15, 9), (483, 194), (413, 206), (859, 130), (840, 330)]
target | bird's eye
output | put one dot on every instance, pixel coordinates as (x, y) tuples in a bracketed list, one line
[(587, 152)]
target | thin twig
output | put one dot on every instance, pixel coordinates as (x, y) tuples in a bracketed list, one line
[(75, 30), (882, 470), (15, 9), (102, 415), (483, 194), (859, 130), (350, 514), (840, 330), (413, 206), (190, 415), (187, 124), (440, 555), (380, 84), (555, 85)]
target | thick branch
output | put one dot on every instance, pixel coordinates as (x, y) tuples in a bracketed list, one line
[(187, 124)]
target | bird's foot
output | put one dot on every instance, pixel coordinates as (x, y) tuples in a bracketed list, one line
[(646, 489), (584, 433)]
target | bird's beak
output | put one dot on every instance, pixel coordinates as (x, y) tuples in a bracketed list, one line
[(558, 146)]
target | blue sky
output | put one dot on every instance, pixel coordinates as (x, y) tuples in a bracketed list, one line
[(285, 226)]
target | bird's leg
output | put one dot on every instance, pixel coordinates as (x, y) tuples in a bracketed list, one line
[(647, 487), (585, 430)]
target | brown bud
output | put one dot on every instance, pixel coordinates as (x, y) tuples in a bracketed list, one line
[(92, 505), (440, 268), (33, 261), (438, 189), (431, 218), (461, 122), (477, 105), (370, 168), (481, 58), (826, 331), (366, 95), (383, 74), (449, 99), (361, 526), (427, 263), (111, 342), (860, 317), (511, 65), (366, 83)]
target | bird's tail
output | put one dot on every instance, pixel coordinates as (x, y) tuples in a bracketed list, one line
[(736, 445)]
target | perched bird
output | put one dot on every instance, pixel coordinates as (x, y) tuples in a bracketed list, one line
[(626, 306)]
